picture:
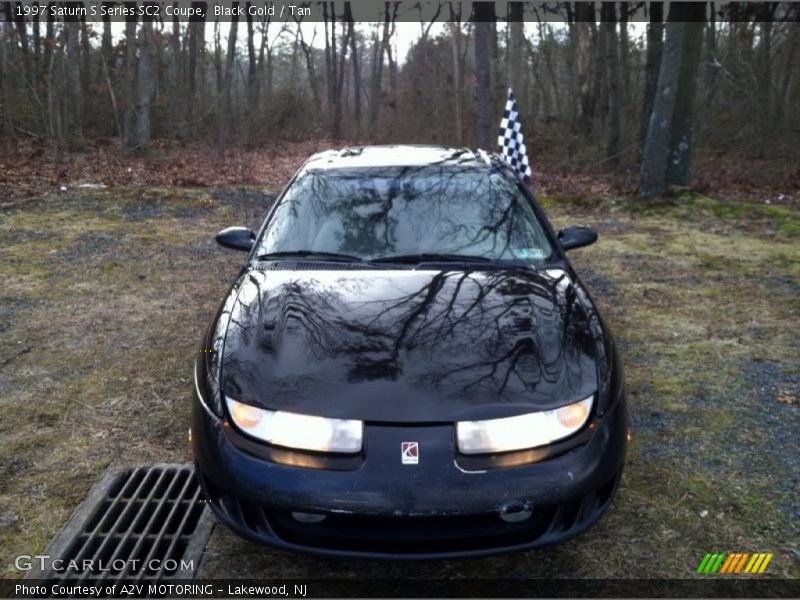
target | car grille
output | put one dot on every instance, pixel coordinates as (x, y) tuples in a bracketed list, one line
[(410, 535)]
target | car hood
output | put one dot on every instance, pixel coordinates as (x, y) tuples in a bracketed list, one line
[(408, 346)]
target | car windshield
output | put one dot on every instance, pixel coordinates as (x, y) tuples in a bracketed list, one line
[(383, 213)]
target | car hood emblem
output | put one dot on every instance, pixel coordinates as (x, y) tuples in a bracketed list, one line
[(409, 453)]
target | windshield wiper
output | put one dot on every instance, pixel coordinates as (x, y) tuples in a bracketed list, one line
[(309, 253), (430, 257)]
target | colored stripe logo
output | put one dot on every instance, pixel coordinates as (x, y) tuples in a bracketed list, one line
[(733, 563)]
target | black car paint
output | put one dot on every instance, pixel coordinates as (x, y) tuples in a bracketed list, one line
[(532, 330), (236, 238), (406, 346), (240, 485)]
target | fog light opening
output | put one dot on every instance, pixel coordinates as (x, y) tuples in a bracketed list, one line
[(516, 516), (304, 517)]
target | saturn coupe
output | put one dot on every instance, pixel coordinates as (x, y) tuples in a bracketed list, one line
[(407, 366)]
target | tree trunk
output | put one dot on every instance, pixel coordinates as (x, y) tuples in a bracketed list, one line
[(197, 42), (710, 74), (375, 76), (218, 58), (379, 50), (8, 124), (613, 84), (584, 14), (783, 98), (176, 111), (483, 13), (50, 42), (763, 112), (264, 30), (144, 87), (37, 44), (22, 34), (311, 69), (392, 63), (354, 52), (455, 34), (106, 45), (129, 113), (655, 47), (86, 59), (549, 63), (656, 149), (251, 105), (600, 85), (112, 96), (679, 163), (75, 141), (347, 31), (225, 114), (516, 51), (331, 66), (624, 56)]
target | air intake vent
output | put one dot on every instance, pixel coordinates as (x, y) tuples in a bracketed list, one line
[(146, 523), (311, 265), (457, 266)]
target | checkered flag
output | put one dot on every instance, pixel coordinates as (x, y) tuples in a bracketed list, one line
[(512, 146)]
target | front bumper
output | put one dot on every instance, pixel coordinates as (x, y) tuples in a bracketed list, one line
[(382, 508)]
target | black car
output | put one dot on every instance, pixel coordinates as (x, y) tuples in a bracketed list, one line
[(408, 366)]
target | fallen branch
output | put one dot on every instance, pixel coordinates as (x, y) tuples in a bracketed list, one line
[(31, 134)]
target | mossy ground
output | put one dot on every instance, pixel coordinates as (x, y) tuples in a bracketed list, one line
[(105, 295)]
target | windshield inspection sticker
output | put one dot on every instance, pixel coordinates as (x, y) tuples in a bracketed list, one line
[(528, 253)]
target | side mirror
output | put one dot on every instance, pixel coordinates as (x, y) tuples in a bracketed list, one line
[(576, 237), (238, 238)]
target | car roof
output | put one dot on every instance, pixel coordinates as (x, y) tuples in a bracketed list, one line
[(396, 156)]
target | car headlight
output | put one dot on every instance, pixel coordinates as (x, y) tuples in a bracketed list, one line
[(293, 430), (524, 431)]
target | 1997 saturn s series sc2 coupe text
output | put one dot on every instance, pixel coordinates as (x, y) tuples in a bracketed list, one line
[(408, 366)]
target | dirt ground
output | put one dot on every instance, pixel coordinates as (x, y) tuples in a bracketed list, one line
[(106, 293)]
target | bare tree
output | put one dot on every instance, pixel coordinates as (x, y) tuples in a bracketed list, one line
[(613, 84), (253, 83), (624, 54), (656, 150), (106, 47), (86, 58), (763, 112), (655, 46), (584, 14), (354, 57), (173, 82), (197, 41), (311, 69), (458, 76), (74, 113), (334, 63), (129, 113), (483, 13), (8, 124), (144, 85), (679, 163), (226, 104), (380, 48), (331, 64), (516, 49)]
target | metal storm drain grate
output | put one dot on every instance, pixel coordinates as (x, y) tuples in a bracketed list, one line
[(149, 522)]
